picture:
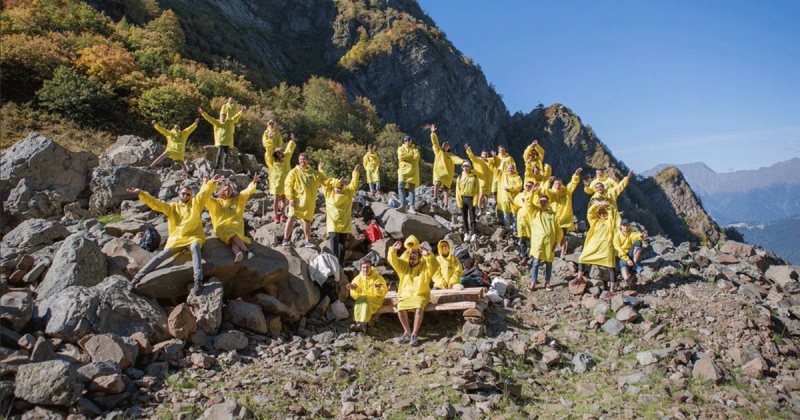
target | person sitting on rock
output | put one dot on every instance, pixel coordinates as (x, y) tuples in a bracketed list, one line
[(610, 195), (223, 135), (545, 235), (185, 228), (407, 172), (468, 186), (448, 274), (227, 216), (485, 174), (509, 186), (368, 289), (629, 242), (523, 222), (602, 177), (443, 167), (339, 211), (561, 200), (414, 290), (598, 247), (279, 163), (372, 166), (176, 144), (301, 188), (271, 136)]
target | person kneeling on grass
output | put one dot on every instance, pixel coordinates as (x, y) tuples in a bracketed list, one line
[(629, 242), (368, 289), (414, 290), (227, 216)]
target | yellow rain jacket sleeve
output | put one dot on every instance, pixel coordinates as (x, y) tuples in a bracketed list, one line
[(414, 290), (598, 248), (545, 233), (373, 297), (521, 210), (227, 215), (372, 165), (444, 163), (483, 171), (339, 207), (176, 140), (450, 269), (408, 166), (607, 182), (278, 170), (277, 139), (527, 154), (561, 201), (302, 186), (185, 224), (228, 110), (223, 131), (624, 242), (507, 189)]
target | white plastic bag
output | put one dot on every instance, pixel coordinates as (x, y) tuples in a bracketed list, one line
[(323, 266)]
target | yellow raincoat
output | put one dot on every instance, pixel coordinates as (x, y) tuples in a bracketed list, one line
[(339, 207), (499, 164), (408, 168), (543, 175), (223, 131), (228, 110), (611, 195), (414, 290), (608, 183), (599, 248), (484, 172), (227, 215), (301, 186), (504, 197), (278, 170), (277, 139), (528, 154), (444, 163), (561, 201), (450, 269), (368, 298), (410, 244), (545, 233), (521, 210), (624, 241), (372, 165), (176, 140), (185, 224), (467, 186)]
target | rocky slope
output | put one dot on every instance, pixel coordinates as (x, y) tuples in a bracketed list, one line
[(708, 333)]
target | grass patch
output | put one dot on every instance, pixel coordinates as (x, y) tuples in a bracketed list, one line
[(110, 218)]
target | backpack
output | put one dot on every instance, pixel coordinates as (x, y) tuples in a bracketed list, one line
[(151, 240), (366, 213), (465, 256), (374, 232)]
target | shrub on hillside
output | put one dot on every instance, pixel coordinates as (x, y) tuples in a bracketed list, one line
[(28, 60), (172, 102), (74, 96)]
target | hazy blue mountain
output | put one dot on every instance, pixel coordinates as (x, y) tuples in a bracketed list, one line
[(781, 236)]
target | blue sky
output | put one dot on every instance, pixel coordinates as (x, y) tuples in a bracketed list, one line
[(659, 81)]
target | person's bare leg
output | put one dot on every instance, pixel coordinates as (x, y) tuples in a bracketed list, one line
[(403, 315), (158, 160), (563, 246), (435, 191), (307, 230), (185, 168), (287, 231), (276, 204), (239, 243), (417, 320), (446, 198)]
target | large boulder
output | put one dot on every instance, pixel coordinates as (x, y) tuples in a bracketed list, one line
[(111, 348), (105, 308), (53, 382), (78, 262), (29, 236), (48, 165), (131, 151), (246, 315), (296, 290), (16, 309), (207, 307), (109, 185), (25, 202), (402, 225), (785, 275), (171, 278), (125, 257)]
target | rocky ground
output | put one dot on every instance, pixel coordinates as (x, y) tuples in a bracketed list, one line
[(712, 333)]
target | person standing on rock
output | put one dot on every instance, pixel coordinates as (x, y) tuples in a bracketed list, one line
[(414, 290), (600, 176), (368, 289), (372, 166), (561, 200), (545, 235), (499, 163), (443, 167), (185, 228), (534, 172), (598, 247), (279, 163), (407, 172), (223, 135), (468, 186), (176, 144), (485, 174), (339, 211), (227, 216), (610, 195), (449, 271), (301, 188), (271, 137), (523, 221), (629, 242), (508, 187), (533, 156)]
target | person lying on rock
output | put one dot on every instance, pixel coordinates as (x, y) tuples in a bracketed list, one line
[(561, 200), (176, 144), (444, 167), (227, 216), (448, 274), (545, 236), (629, 243), (339, 211), (414, 290), (223, 134), (368, 289), (185, 228), (599, 248), (468, 187), (301, 188), (486, 176), (407, 173), (372, 166), (278, 161)]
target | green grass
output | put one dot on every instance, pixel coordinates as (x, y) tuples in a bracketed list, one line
[(110, 218)]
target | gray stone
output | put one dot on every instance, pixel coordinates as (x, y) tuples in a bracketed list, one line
[(125, 257), (245, 315), (207, 306), (325, 337), (131, 151), (581, 363), (227, 410), (627, 314), (31, 235), (112, 348), (54, 382), (230, 340), (550, 357), (42, 351), (401, 225), (600, 308), (181, 322), (25, 202), (708, 371), (79, 262), (646, 358), (473, 330), (272, 305), (613, 327), (786, 276), (111, 384), (88, 372), (16, 309), (470, 350), (109, 185)]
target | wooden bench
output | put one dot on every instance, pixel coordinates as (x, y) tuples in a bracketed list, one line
[(471, 301)]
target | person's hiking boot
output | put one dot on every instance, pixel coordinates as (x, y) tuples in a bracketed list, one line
[(609, 295), (403, 339), (239, 257), (466, 237), (548, 287), (275, 219), (639, 268), (309, 244), (198, 286), (413, 341), (412, 211), (250, 254), (132, 285), (283, 218), (286, 242)]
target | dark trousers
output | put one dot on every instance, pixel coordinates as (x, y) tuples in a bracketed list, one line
[(222, 152), (468, 214), (338, 245)]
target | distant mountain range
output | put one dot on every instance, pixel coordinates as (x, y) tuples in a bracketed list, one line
[(780, 237), (761, 195)]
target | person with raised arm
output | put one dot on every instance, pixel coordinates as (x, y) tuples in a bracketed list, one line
[(227, 217), (414, 291), (507, 188), (407, 172), (599, 248), (372, 166), (485, 174), (272, 135), (602, 177), (561, 200), (523, 221), (444, 167), (301, 188), (468, 187), (279, 162), (610, 195), (533, 156), (339, 211), (223, 134), (176, 144), (368, 289)]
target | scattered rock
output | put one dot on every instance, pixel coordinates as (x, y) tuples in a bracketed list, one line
[(54, 382)]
